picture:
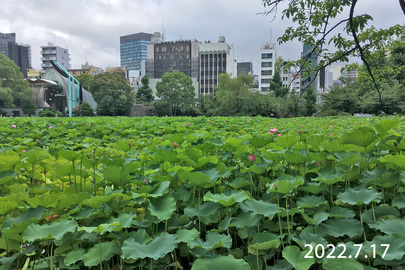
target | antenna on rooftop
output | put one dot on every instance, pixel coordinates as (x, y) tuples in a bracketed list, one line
[(163, 29)]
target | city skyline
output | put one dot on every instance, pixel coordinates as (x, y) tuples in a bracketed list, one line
[(91, 30)]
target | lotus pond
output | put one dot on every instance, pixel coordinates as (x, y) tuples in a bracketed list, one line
[(202, 193)]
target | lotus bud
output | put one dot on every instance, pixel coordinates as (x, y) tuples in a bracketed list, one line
[(129, 144), (252, 158), (175, 145), (145, 182)]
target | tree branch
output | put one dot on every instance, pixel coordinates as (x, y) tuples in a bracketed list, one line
[(402, 4), (356, 40)]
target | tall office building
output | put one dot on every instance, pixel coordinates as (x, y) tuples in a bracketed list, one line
[(215, 58), (19, 53), (52, 52), (133, 49), (267, 65)]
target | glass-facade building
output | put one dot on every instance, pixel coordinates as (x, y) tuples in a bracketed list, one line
[(133, 49)]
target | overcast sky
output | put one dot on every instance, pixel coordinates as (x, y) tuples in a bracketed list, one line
[(91, 29)]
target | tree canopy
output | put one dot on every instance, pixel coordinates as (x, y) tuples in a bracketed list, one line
[(85, 80), (177, 89), (322, 24), (144, 93), (112, 94), (14, 90)]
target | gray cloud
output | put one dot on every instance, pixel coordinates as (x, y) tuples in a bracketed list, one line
[(91, 29)]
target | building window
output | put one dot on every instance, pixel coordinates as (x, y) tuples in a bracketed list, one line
[(267, 72), (267, 55), (267, 64), (265, 80)]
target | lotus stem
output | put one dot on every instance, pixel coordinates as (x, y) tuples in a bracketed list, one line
[(279, 220), (288, 220)]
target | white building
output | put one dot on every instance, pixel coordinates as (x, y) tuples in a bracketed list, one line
[(56, 53), (268, 57), (215, 58)]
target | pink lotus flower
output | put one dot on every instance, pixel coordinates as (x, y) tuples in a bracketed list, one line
[(24, 151), (209, 121), (279, 134), (187, 125), (89, 125), (216, 124), (331, 127), (330, 136), (51, 127), (275, 186), (273, 130), (317, 163), (175, 145), (252, 158), (145, 182), (37, 141), (14, 126)]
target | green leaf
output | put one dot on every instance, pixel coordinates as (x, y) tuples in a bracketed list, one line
[(12, 227), (340, 227), (287, 141), (100, 252), (287, 184), (396, 249), (260, 207), (392, 226), (163, 207), (157, 248), (397, 160), (310, 202), (339, 264), (209, 212), (69, 155), (195, 178), (316, 140), (220, 263), (6, 206), (399, 201), (46, 200), (263, 241), (385, 125), (74, 256), (259, 142), (359, 196), (186, 236), (55, 230), (163, 155), (363, 137), (295, 257), (213, 241), (227, 200)]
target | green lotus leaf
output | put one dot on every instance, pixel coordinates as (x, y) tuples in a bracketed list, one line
[(329, 177), (74, 256), (310, 201), (385, 125), (263, 241), (348, 159), (209, 212), (164, 155), (34, 157), (187, 236), (46, 200), (233, 142), (239, 183), (363, 137), (157, 248), (258, 169), (12, 227), (286, 184), (282, 265), (9, 158), (213, 241), (122, 146), (119, 175), (397, 160), (55, 230), (259, 142), (392, 226), (196, 178), (69, 155), (316, 140), (220, 263), (157, 191), (97, 201), (379, 212), (163, 207), (314, 188), (227, 200), (340, 227), (100, 252), (310, 239), (260, 208), (333, 146), (339, 264), (359, 196), (340, 212), (103, 228), (399, 201), (213, 174), (295, 257), (6, 206), (74, 199), (244, 220), (5, 174), (395, 251), (287, 141), (204, 160), (124, 219)]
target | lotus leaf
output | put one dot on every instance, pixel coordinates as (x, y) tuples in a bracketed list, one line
[(359, 196), (259, 207), (295, 257), (220, 263), (213, 241), (163, 207), (55, 230), (227, 200), (100, 252), (338, 264)]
